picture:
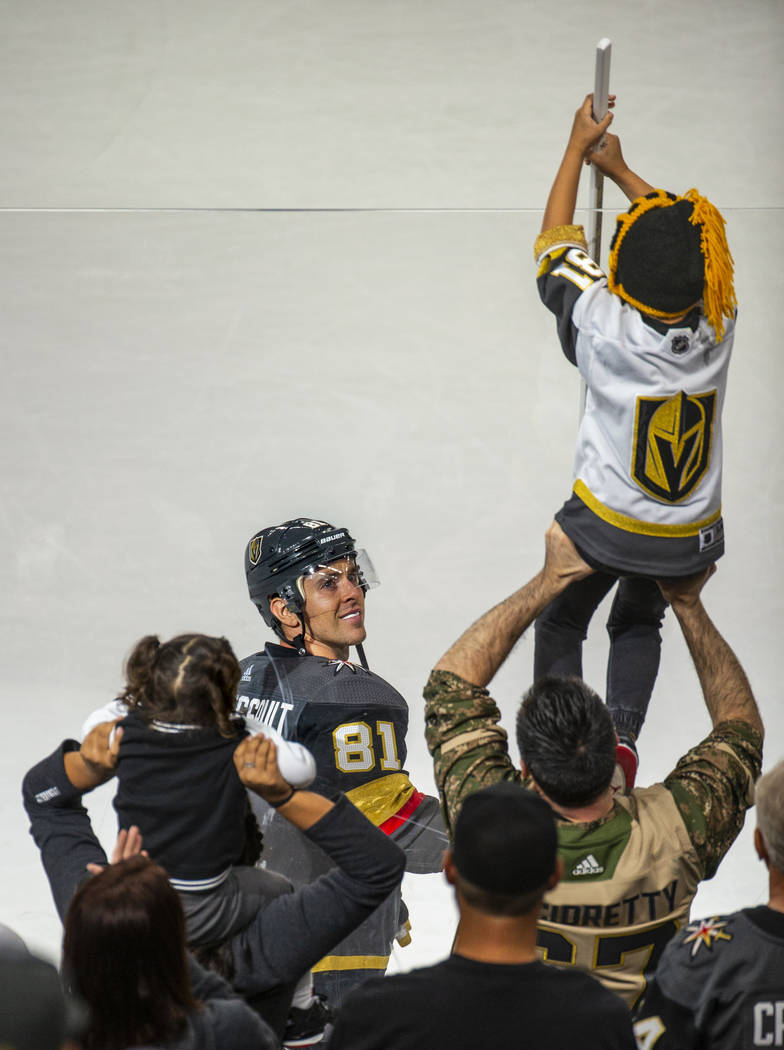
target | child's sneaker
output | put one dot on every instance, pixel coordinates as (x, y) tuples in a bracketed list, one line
[(305, 1027), (626, 762)]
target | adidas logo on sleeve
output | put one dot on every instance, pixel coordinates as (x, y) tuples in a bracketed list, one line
[(588, 866)]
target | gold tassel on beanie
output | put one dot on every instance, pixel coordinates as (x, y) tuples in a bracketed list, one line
[(718, 296)]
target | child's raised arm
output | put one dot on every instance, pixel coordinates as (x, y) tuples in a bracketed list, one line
[(608, 159), (585, 133)]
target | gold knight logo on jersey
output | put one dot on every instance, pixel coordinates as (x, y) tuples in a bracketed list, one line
[(672, 443)]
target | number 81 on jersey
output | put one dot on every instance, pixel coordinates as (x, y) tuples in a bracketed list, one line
[(355, 751)]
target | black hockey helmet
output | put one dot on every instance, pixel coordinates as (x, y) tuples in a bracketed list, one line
[(277, 558)]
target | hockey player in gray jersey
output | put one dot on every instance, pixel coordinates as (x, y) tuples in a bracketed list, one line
[(308, 580), (720, 982), (652, 341)]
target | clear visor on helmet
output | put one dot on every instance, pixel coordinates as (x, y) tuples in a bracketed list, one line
[(357, 569)]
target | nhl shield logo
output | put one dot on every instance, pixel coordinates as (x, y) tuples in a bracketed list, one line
[(672, 443), (254, 550)]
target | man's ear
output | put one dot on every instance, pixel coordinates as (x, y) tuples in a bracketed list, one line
[(281, 611), (760, 847)]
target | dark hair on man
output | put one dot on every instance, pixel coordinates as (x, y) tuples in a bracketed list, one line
[(499, 903), (190, 680), (566, 738), (124, 954)]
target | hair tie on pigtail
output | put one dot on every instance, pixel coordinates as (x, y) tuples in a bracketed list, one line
[(152, 651), (139, 669)]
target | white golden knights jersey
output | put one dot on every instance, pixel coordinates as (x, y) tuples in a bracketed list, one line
[(647, 468)]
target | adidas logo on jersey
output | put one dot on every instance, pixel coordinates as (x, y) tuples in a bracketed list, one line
[(247, 673), (588, 866)]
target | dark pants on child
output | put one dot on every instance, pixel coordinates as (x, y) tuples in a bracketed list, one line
[(635, 641)]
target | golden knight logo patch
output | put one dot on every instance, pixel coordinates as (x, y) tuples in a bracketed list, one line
[(254, 550), (672, 443), (706, 931)]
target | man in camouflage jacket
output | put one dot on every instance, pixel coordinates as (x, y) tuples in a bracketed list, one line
[(632, 863)]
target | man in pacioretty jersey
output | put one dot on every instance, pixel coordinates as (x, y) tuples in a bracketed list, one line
[(632, 863)]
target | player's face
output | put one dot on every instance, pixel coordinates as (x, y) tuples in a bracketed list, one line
[(334, 609)]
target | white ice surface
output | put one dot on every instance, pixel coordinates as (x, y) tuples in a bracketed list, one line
[(174, 379)]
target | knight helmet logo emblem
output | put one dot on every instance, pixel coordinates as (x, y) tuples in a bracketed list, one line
[(672, 443), (254, 550)]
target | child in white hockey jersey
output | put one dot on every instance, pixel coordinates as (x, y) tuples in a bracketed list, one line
[(652, 341)]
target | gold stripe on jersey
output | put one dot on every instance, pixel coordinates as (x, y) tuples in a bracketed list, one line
[(642, 528), (352, 962), (570, 236), (381, 798)]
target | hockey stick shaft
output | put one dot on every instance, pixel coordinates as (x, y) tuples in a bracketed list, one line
[(601, 96)]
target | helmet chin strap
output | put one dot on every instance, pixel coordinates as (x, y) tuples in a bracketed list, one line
[(361, 654), (298, 641)]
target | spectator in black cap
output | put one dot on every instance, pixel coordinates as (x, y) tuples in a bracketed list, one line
[(492, 990)]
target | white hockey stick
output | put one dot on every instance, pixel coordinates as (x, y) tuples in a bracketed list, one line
[(601, 95)]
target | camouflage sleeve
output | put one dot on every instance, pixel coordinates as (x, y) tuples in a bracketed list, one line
[(468, 746), (713, 786)]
